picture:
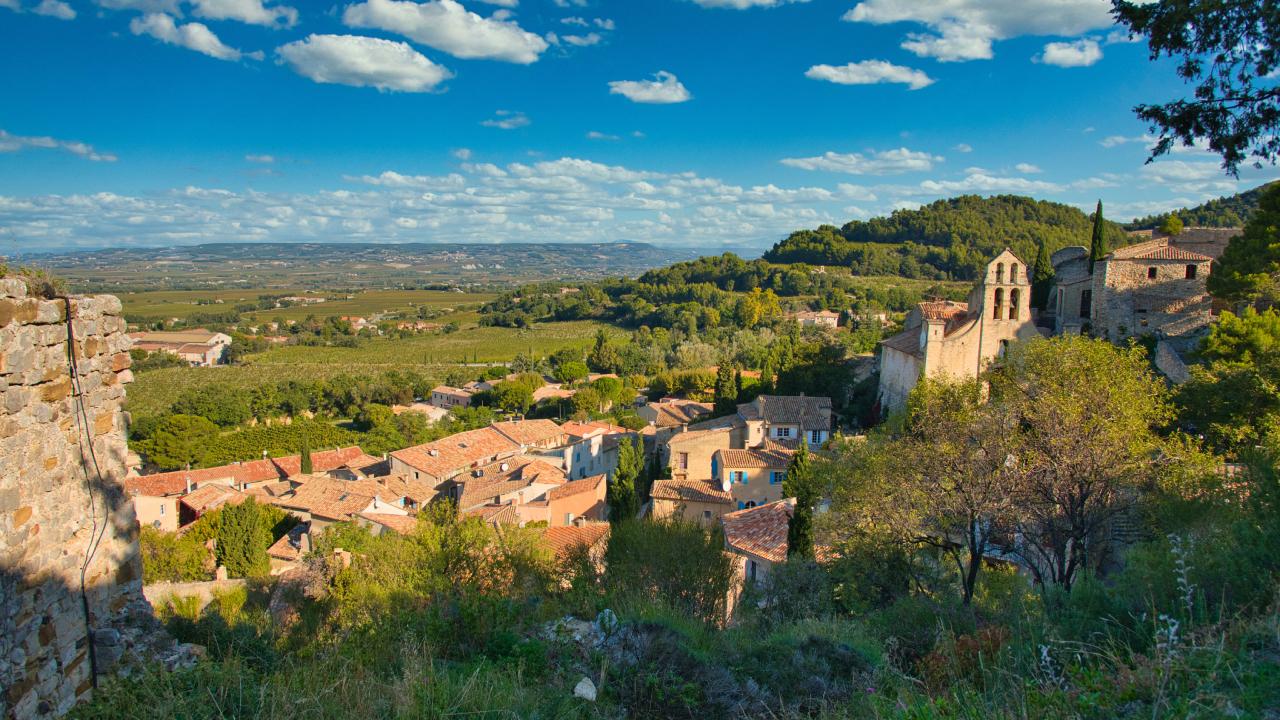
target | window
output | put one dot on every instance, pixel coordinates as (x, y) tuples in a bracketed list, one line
[(782, 432), (999, 273), (999, 310), (1014, 296), (1191, 272), (751, 503), (1086, 303), (815, 437), (1151, 273), (775, 477), (682, 460), (751, 570), (741, 505), (568, 518), (1013, 273), (738, 476), (162, 509), (706, 514)]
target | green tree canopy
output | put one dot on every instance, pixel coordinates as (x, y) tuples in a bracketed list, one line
[(178, 441), (1249, 269)]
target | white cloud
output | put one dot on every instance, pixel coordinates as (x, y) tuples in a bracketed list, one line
[(870, 72), (1116, 140), (597, 135), (146, 6), (1027, 168), (14, 143), (981, 182), (744, 4), (507, 120), (964, 148), (446, 25), (462, 153), (193, 36), (252, 12), (886, 162), (1077, 53), (363, 62), (1168, 171), (665, 88), (582, 40), (263, 159), (55, 8), (965, 29)]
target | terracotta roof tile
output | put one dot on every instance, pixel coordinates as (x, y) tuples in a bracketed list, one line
[(445, 457), (766, 456), (670, 414), (289, 546), (529, 432), (564, 539), (812, 413), (505, 476), (210, 497), (690, 491), (505, 514), (1172, 253), (403, 524), (576, 487), (761, 531)]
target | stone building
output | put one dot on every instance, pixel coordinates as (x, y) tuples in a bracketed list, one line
[(1154, 288), (959, 339), (70, 574)]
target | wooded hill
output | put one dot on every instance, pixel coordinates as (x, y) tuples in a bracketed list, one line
[(1230, 211), (949, 239)]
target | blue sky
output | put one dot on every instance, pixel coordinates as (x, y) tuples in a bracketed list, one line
[(701, 123)]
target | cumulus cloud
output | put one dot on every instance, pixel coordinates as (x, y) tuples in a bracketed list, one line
[(1027, 168), (962, 30), (507, 120), (263, 159), (886, 162), (982, 182), (363, 62), (252, 12), (964, 148), (193, 36), (665, 88), (597, 135), (1077, 53), (870, 72), (447, 26), (14, 143), (49, 8)]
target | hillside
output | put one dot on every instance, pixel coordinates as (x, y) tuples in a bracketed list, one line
[(948, 239), (1228, 211)]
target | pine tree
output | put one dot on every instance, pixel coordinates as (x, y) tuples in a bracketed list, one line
[(1098, 246), (799, 484), (306, 455), (1041, 278), (726, 400)]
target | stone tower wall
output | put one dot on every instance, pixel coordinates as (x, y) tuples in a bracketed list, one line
[(51, 495)]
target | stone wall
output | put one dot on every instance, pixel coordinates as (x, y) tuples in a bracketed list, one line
[(55, 504), (1127, 302)]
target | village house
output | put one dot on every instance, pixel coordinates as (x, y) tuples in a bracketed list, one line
[(206, 498), (199, 347), (700, 501), (752, 476), (760, 535), (323, 501), (541, 434), (786, 417), (1154, 288), (444, 396), (688, 453), (945, 338), (582, 536), (590, 448), (817, 318), (564, 504), (673, 412)]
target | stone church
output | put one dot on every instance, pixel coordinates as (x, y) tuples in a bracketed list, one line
[(959, 339), (1154, 288)]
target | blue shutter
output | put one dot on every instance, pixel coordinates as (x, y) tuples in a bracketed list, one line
[(741, 505)]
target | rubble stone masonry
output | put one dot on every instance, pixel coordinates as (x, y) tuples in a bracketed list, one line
[(55, 504)]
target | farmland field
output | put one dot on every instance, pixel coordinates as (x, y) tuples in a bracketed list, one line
[(180, 304), (154, 391)]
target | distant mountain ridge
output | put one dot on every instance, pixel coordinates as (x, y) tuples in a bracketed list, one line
[(949, 239), (330, 265), (1227, 211)]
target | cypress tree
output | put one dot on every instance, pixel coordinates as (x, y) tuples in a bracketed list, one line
[(1098, 246), (799, 484), (726, 400), (1041, 278), (622, 496), (306, 454)]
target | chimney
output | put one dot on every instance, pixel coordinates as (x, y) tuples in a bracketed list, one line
[(579, 521), (188, 479)]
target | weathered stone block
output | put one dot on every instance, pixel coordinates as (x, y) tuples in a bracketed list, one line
[(56, 390), (14, 288)]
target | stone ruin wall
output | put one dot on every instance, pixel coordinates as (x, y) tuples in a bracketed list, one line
[(47, 505)]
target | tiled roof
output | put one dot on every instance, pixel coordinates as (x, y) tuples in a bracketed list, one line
[(505, 514), (761, 531), (942, 309), (403, 524), (564, 539), (210, 497), (270, 490), (529, 432), (767, 456), (333, 499), (576, 487), (447, 390), (689, 491), (812, 413), (493, 480), (1172, 253), (444, 457), (670, 414), (289, 546), (576, 429), (699, 436), (175, 482), (321, 461)]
